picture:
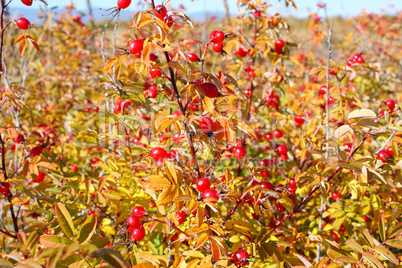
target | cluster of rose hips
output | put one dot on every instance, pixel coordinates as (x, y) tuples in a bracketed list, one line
[(250, 72), (391, 106), (159, 154), (272, 99), (299, 120), (161, 13), (217, 38), (239, 152), (88, 109), (356, 60), (135, 225), (204, 187), (120, 105)]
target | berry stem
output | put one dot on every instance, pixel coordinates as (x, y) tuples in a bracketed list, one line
[(183, 111)]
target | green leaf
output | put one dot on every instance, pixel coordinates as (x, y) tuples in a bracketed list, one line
[(353, 244), (395, 243), (373, 260), (87, 229), (346, 259), (368, 238), (72, 259), (386, 254), (395, 231), (110, 256), (100, 242), (381, 226), (65, 220), (54, 241), (6, 264)]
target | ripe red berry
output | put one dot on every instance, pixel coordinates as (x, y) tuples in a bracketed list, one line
[(240, 257), (360, 60), (210, 89), (203, 184), (4, 187), (257, 14), (212, 35), (158, 154), (211, 193), (23, 23), (154, 73), (251, 74), (390, 104), (73, 168), (268, 136), (206, 124), (217, 47), (267, 185), (180, 216), (136, 46), (192, 57), (277, 133), (219, 36), (123, 4), (169, 21), (160, 12), (299, 120), (331, 100), (282, 149), (242, 52), (41, 177), (292, 183), (336, 195), (264, 173), (134, 221), (153, 91), (19, 138), (335, 236), (239, 153), (322, 90), (27, 2), (390, 150), (96, 109), (95, 160), (247, 91), (383, 156), (292, 189), (172, 154), (138, 233), (279, 43), (138, 211), (348, 147)]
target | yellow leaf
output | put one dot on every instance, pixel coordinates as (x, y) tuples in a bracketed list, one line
[(166, 122), (167, 196), (109, 65), (156, 183), (201, 239), (146, 18)]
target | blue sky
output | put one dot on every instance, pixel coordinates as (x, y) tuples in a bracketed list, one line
[(335, 7)]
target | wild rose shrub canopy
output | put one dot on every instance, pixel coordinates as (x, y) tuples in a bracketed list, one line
[(266, 142)]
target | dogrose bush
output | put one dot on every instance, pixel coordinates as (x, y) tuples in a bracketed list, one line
[(157, 143)]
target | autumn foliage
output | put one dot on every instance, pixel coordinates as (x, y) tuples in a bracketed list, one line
[(269, 142)]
